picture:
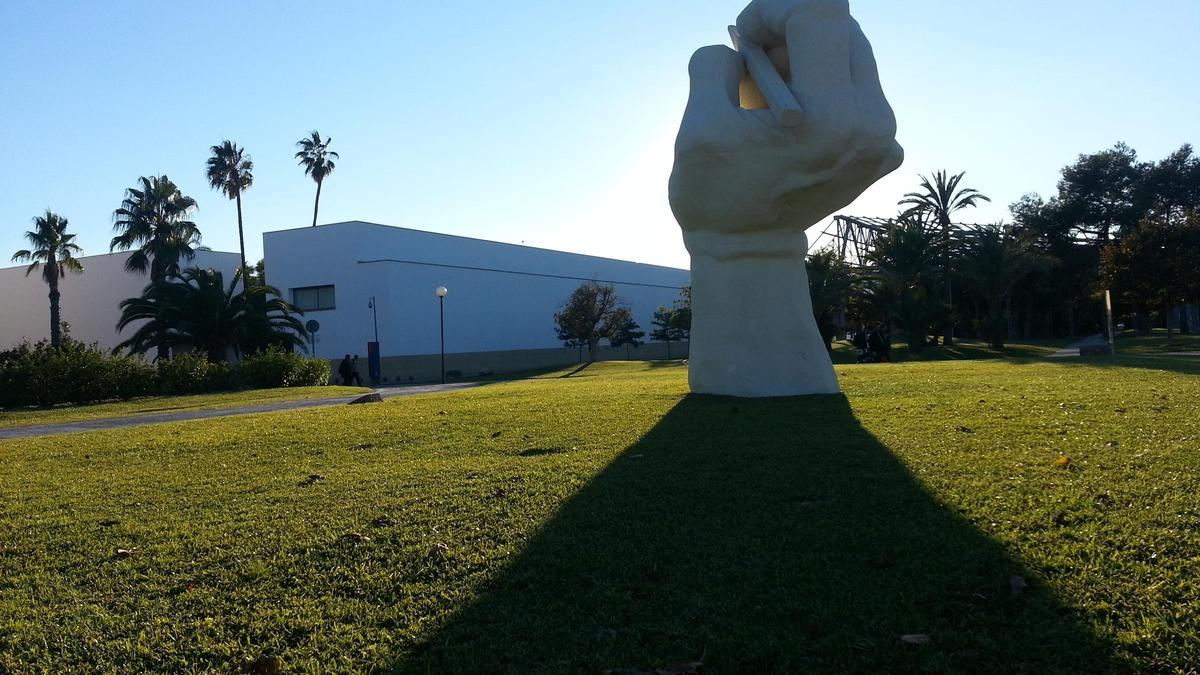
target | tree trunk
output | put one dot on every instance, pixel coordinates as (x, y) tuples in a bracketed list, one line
[(242, 240), (668, 349), (55, 314), (948, 339), (317, 203)]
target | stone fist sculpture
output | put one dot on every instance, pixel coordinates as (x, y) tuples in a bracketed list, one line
[(745, 187)]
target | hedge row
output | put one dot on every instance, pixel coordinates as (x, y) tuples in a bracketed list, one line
[(40, 375)]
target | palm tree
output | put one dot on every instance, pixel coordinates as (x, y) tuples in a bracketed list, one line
[(153, 221), (231, 171), (904, 278), (995, 259), (54, 251), (195, 309), (831, 282), (938, 200), (317, 160)]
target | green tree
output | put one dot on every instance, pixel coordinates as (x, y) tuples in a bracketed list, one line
[(231, 171), (317, 160), (153, 222), (194, 309), (1155, 265), (938, 200), (665, 327), (1170, 188), (592, 313), (681, 314), (905, 280), (52, 249), (831, 282), (627, 334), (994, 259), (1101, 195)]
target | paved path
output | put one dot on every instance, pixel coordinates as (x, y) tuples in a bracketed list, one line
[(1073, 349), (184, 415)]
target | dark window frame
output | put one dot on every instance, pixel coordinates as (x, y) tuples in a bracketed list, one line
[(318, 289)]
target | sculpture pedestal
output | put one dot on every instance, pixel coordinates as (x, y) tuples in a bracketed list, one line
[(753, 331)]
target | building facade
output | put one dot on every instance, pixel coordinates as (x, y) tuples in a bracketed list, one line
[(359, 279), (90, 301)]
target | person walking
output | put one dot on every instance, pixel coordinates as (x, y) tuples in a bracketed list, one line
[(346, 371), (354, 371)]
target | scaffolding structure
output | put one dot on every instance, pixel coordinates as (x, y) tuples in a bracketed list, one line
[(853, 236)]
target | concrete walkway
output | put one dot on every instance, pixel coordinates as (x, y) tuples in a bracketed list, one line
[(1073, 349), (136, 420)]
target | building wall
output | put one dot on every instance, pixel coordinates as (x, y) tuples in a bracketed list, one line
[(502, 296), (90, 301), (426, 368)]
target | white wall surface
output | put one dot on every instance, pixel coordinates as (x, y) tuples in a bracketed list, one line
[(502, 296), (90, 301)]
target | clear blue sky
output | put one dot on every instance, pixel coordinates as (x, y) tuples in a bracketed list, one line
[(544, 122)]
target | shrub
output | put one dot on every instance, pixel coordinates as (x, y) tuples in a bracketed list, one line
[(38, 374), (274, 367), (192, 373)]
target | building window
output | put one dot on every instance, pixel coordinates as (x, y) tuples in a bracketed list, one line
[(313, 298)]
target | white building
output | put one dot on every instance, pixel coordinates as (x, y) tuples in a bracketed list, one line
[(90, 301), (499, 312)]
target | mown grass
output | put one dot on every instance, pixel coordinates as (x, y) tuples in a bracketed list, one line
[(607, 520), (845, 353), (10, 417), (1156, 342)]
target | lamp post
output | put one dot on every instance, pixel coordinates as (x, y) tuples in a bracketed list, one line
[(441, 292), (374, 316), (374, 357)]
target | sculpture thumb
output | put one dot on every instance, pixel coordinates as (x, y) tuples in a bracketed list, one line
[(716, 74)]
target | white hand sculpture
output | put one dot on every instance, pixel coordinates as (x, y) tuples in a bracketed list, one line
[(744, 189)]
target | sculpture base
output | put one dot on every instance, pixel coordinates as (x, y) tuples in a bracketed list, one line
[(753, 331)]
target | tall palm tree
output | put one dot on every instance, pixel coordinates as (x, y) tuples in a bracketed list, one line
[(194, 308), (317, 160), (938, 200), (231, 171), (54, 251), (153, 222)]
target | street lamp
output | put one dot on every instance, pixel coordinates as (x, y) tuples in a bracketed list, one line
[(374, 316), (373, 354), (441, 292)]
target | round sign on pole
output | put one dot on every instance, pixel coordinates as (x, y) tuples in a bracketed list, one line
[(312, 326)]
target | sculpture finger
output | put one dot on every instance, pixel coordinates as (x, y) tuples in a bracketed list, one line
[(865, 72), (715, 74), (816, 35), (863, 68)]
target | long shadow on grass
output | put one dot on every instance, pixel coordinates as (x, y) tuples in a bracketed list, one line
[(760, 536)]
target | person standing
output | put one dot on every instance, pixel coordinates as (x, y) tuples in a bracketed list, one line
[(345, 371), (354, 371)]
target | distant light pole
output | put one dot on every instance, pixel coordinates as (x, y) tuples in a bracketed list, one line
[(374, 316), (441, 292), (374, 356)]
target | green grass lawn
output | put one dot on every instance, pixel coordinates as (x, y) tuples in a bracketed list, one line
[(1156, 342), (166, 404), (845, 353), (1013, 516)]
